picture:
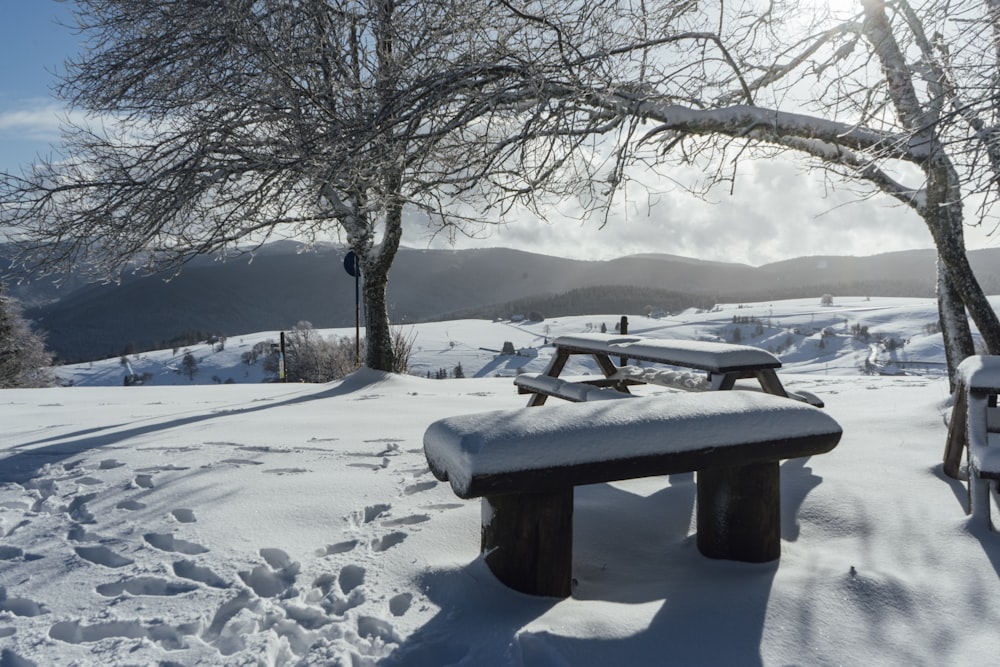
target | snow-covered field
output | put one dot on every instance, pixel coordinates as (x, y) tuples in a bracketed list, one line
[(792, 329), (273, 524)]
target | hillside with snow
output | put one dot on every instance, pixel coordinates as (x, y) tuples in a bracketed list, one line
[(899, 337)]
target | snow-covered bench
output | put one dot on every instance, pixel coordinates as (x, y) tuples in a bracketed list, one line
[(725, 363), (525, 462), (973, 418)]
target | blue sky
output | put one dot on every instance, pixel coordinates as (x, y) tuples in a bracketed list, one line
[(775, 212), (33, 46)]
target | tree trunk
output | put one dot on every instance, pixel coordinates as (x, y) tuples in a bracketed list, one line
[(964, 283), (379, 353), (943, 215), (954, 324), (378, 339)]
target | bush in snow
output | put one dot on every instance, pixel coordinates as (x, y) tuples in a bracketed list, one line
[(23, 359)]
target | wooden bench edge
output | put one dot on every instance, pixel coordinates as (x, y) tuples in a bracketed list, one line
[(547, 480)]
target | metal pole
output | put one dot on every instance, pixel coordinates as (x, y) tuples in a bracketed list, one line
[(623, 329), (357, 316), (282, 371)]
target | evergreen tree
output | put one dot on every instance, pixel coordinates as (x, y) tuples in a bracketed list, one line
[(189, 364)]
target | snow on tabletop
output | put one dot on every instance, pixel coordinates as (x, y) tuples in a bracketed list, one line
[(544, 437), (665, 378), (681, 352), (980, 372)]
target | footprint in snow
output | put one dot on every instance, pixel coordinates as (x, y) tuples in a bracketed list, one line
[(411, 520), (275, 579), (101, 555), (400, 604), (16, 553), (183, 515), (131, 505), (350, 595), (351, 576), (20, 607), (377, 628), (189, 570), (418, 487), (142, 482), (373, 512), (75, 632), (154, 586), (338, 548), (387, 542), (442, 506), (78, 533), (167, 542), (78, 511)]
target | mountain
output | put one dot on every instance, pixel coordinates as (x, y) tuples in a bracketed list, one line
[(283, 285)]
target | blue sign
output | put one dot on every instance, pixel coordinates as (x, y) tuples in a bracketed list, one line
[(351, 264)]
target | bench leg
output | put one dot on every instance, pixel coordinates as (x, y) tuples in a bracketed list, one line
[(527, 541), (957, 434), (739, 513), (979, 499)]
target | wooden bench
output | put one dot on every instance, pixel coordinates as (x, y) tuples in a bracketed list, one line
[(724, 364), (524, 464), (974, 417)]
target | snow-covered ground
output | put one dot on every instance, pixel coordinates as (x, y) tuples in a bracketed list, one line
[(290, 524), (793, 329)]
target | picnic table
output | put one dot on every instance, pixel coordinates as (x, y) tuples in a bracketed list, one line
[(721, 365), (525, 463), (972, 431)]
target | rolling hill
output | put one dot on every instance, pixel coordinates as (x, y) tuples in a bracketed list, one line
[(283, 285)]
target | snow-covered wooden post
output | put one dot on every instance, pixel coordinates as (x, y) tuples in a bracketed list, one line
[(541, 526), (739, 512)]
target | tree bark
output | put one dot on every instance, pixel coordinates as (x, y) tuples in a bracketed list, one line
[(379, 352), (943, 215), (954, 324), (378, 340), (942, 210)]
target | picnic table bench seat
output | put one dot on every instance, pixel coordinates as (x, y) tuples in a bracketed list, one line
[(524, 464), (973, 430), (576, 390)]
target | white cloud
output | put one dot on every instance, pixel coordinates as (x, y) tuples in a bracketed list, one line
[(38, 120), (776, 211)]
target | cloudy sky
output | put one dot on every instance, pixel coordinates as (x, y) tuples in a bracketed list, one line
[(775, 211)]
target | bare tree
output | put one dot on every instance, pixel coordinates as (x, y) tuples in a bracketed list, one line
[(24, 361), (229, 122), (895, 98), (311, 358)]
